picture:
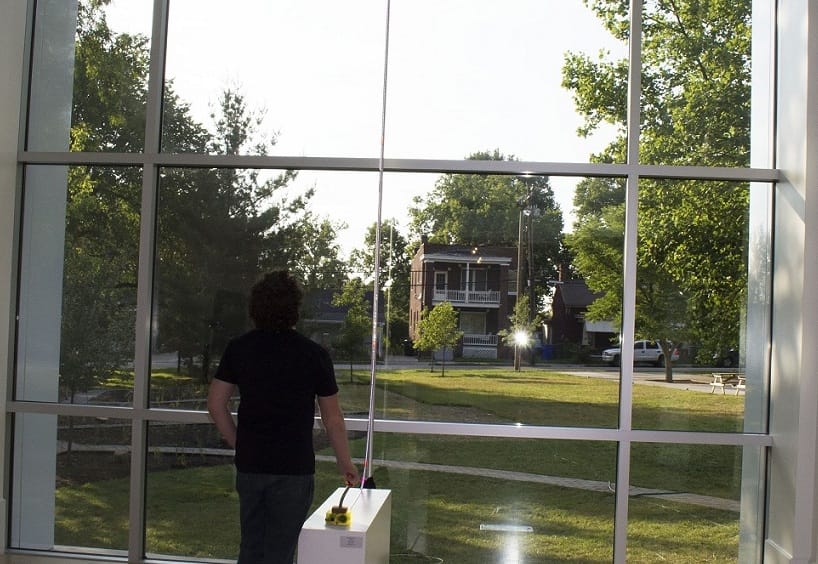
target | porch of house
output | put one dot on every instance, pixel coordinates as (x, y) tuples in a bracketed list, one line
[(480, 346)]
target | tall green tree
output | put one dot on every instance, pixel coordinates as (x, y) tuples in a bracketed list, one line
[(437, 330), (394, 275), (352, 340), (521, 330), (99, 280), (217, 228), (315, 253), (695, 99), (102, 204), (474, 209)]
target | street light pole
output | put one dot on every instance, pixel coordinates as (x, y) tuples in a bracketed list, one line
[(519, 277)]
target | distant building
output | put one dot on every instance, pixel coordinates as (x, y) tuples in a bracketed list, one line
[(568, 324), (479, 282), (322, 321)]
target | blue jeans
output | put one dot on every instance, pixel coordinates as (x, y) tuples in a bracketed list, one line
[(272, 510)]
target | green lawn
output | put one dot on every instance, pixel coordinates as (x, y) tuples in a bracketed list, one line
[(543, 397), (193, 512), (436, 516)]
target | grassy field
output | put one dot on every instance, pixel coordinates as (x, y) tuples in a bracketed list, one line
[(436, 516)]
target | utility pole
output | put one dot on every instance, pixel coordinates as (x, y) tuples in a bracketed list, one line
[(388, 286), (525, 212)]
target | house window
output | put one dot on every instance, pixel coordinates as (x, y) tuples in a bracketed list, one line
[(473, 322), (474, 280), (441, 280)]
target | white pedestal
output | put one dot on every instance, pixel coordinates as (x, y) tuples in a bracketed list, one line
[(364, 541)]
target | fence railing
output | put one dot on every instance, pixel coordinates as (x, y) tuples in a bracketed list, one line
[(473, 340), (467, 296)]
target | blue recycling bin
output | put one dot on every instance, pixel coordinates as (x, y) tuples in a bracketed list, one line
[(547, 352)]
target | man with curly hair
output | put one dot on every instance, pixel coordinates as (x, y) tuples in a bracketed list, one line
[(279, 374)]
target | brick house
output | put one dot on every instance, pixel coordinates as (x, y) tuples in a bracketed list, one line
[(568, 324), (479, 282)]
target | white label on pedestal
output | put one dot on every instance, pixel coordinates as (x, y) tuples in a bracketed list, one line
[(352, 542)]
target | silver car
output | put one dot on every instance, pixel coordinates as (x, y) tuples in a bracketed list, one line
[(645, 350)]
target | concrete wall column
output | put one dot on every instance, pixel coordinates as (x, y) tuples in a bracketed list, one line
[(12, 56), (792, 525), (41, 274)]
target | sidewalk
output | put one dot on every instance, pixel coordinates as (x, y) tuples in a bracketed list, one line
[(507, 475), (576, 483)]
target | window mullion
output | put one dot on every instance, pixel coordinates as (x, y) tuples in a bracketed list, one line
[(629, 283)]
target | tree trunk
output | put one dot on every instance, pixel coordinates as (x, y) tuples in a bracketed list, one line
[(667, 353), (206, 364), (69, 443)]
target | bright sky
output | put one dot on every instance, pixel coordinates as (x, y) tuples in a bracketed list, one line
[(464, 76)]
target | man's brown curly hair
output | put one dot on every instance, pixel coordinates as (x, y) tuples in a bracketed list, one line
[(275, 301)]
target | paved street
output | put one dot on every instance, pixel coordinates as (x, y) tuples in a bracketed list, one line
[(684, 377)]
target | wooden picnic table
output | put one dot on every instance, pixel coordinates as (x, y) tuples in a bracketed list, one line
[(722, 379)]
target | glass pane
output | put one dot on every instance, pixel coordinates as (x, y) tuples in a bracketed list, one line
[(78, 290), (89, 76), (191, 479), (471, 231), (692, 299), (696, 85), (73, 496), (684, 504), (311, 73), (190, 482), (456, 239), (480, 394), (509, 75), (218, 230), (497, 500)]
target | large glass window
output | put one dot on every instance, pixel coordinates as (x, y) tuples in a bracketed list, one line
[(190, 486), (497, 500), (72, 492), (218, 229), (505, 258), (310, 73), (692, 292), (90, 76), (491, 77), (78, 297), (696, 84), (685, 503)]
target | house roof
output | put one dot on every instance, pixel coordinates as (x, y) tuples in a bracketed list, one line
[(318, 307), (433, 252), (575, 293)]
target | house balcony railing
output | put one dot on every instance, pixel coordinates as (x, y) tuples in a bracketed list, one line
[(477, 340), (468, 297)]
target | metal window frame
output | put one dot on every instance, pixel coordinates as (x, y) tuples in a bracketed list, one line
[(152, 160)]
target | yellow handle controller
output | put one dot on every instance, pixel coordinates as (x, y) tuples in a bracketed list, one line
[(339, 515)]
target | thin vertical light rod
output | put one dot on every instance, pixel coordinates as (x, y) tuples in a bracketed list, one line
[(373, 355)]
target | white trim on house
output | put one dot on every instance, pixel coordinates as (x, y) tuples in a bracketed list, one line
[(464, 258)]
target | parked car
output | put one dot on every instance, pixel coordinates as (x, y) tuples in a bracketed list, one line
[(726, 358), (646, 350)]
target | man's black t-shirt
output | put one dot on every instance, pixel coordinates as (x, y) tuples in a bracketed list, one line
[(279, 374)]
